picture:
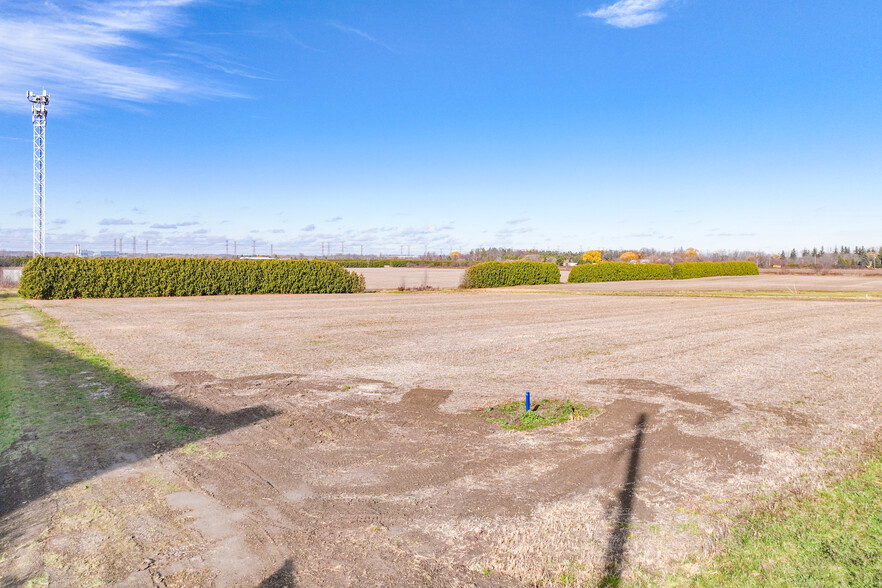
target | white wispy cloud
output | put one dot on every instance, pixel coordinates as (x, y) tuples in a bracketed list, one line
[(354, 31), (84, 48), (630, 14)]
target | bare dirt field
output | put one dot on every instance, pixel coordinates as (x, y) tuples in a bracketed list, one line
[(791, 284), (354, 455)]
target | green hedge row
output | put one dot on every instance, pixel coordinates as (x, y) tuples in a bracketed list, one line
[(618, 272), (495, 274), (14, 260), (390, 262), (614, 271), (703, 269), (72, 277)]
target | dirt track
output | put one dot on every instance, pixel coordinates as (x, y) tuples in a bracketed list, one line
[(373, 470)]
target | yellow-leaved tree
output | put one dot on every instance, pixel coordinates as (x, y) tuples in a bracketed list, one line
[(593, 256), (691, 254), (629, 256)]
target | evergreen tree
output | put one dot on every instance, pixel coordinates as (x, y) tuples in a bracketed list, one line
[(793, 254)]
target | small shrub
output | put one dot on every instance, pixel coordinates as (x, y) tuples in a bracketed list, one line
[(541, 414), (495, 274), (618, 272), (703, 269), (72, 277)]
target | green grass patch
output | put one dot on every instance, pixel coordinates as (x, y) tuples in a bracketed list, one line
[(11, 384), (541, 414), (108, 374), (831, 537), (53, 385)]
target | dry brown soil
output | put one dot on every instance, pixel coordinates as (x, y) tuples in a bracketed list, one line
[(369, 468)]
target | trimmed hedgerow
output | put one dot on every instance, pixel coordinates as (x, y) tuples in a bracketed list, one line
[(72, 277), (614, 271), (494, 274), (14, 260), (350, 262), (390, 262), (703, 269), (408, 263)]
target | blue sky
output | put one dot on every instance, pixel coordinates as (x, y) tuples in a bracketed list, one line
[(445, 125)]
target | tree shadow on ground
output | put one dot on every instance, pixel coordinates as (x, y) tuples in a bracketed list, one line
[(618, 539), (284, 577), (66, 419)]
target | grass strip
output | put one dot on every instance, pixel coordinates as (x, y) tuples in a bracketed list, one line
[(830, 537), (50, 383), (12, 386)]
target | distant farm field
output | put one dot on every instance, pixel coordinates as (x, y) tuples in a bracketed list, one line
[(411, 278), (345, 444)]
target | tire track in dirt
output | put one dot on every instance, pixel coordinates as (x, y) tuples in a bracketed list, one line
[(335, 476)]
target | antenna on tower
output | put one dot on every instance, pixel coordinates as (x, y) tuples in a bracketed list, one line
[(40, 110)]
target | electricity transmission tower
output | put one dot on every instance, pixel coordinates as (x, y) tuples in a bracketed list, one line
[(39, 106)]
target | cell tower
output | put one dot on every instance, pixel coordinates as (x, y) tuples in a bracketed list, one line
[(39, 103)]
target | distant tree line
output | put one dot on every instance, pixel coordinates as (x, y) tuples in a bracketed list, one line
[(13, 260), (842, 257), (838, 257)]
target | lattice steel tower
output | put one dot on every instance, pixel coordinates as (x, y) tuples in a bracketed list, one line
[(39, 103)]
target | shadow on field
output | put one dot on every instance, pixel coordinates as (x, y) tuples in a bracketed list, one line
[(284, 577), (64, 420), (618, 539)]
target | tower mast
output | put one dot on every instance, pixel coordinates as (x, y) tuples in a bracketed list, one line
[(40, 110)]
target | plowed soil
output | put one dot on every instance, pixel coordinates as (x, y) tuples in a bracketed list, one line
[(357, 459)]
